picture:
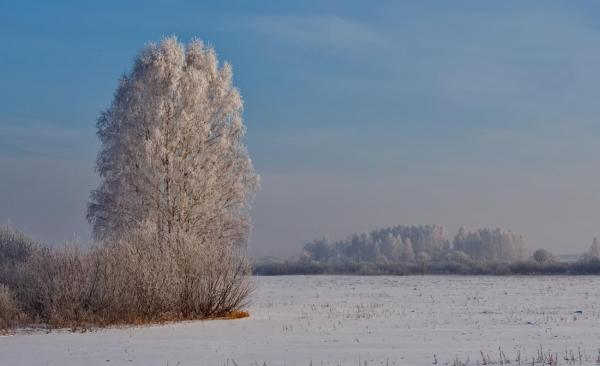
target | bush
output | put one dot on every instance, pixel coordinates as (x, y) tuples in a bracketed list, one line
[(147, 280), (132, 281), (54, 287), (542, 256), (15, 247), (9, 311)]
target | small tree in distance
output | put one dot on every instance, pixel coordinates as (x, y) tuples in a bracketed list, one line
[(595, 249), (408, 254), (542, 256), (593, 254)]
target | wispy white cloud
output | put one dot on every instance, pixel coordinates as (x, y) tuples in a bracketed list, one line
[(46, 139), (530, 62), (321, 31)]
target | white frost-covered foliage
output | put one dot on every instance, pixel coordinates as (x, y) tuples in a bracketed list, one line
[(172, 156), (395, 244), (176, 186), (411, 244), (15, 246), (496, 245)]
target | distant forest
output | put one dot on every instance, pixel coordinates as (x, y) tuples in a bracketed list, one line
[(427, 249)]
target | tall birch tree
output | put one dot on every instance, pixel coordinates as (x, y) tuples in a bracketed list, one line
[(172, 157)]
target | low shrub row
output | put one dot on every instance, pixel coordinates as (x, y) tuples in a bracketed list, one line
[(132, 281)]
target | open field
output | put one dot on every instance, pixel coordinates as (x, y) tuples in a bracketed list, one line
[(344, 320)]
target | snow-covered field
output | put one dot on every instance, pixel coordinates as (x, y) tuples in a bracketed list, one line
[(344, 320)]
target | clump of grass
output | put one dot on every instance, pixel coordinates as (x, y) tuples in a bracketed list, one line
[(541, 358)]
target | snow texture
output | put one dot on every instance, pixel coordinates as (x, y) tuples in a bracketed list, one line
[(344, 320)]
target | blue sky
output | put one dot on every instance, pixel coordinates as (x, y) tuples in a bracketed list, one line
[(359, 114)]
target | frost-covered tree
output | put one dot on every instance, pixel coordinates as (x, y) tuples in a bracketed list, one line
[(490, 245), (431, 239), (394, 244), (172, 157), (408, 253), (594, 252), (176, 184), (389, 248), (318, 250), (595, 249)]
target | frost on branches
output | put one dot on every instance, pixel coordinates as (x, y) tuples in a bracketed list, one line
[(177, 180), (172, 154)]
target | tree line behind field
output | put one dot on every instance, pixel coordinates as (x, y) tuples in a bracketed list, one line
[(427, 249)]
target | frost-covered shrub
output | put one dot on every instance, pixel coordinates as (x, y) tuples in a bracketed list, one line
[(76, 277), (224, 284), (130, 281), (19, 259), (15, 247), (542, 256), (53, 285), (9, 311), (143, 279), (31, 283)]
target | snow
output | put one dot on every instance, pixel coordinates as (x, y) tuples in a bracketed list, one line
[(344, 320)]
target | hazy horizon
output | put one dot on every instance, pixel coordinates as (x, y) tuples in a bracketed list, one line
[(358, 116)]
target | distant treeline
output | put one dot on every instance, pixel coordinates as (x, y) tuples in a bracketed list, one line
[(406, 250)]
